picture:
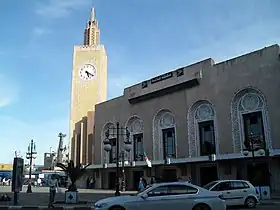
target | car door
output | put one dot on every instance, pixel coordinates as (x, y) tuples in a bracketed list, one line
[(157, 198), (182, 196), (225, 188), (239, 192)]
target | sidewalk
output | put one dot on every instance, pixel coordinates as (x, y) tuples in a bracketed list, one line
[(275, 196), (275, 199)]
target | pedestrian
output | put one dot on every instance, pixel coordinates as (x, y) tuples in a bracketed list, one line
[(88, 183), (53, 185), (153, 180), (91, 183), (141, 185), (190, 180), (39, 182), (144, 182)]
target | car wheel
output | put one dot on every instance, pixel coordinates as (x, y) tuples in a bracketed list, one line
[(201, 207), (251, 202)]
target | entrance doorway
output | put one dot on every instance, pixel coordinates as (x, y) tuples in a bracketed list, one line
[(136, 178), (169, 175), (208, 174), (258, 174), (112, 180)]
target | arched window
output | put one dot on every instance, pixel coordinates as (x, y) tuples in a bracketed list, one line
[(202, 129), (249, 117), (164, 135), (136, 129), (109, 157)]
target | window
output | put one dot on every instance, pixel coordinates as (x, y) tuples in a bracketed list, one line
[(210, 185), (159, 191), (113, 152), (207, 138), (235, 185), (169, 143), (253, 129), (138, 147), (181, 189), (223, 186)]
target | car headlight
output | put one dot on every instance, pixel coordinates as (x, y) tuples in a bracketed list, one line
[(100, 205)]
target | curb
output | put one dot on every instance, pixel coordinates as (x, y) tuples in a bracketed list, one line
[(269, 203)]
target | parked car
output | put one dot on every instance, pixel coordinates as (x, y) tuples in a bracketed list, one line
[(236, 192), (166, 196)]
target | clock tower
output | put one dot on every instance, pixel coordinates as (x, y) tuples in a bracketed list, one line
[(88, 88)]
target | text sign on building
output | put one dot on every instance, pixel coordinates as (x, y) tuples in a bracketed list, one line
[(162, 77)]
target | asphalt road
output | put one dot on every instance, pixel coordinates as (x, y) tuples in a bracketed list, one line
[(40, 196), (260, 207)]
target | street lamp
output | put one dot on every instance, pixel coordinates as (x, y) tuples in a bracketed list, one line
[(250, 146), (127, 147), (60, 148), (30, 154)]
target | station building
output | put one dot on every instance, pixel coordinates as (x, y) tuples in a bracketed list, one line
[(195, 122)]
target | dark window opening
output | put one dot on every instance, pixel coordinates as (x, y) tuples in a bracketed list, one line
[(138, 147), (112, 154), (207, 138), (169, 143), (254, 131)]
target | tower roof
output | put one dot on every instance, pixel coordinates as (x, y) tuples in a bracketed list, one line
[(92, 14)]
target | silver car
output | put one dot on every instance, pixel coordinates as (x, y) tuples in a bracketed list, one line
[(166, 196), (235, 192)]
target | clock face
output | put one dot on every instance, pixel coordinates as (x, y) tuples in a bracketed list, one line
[(87, 72)]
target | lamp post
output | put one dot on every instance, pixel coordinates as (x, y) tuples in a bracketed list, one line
[(127, 147), (123, 164), (31, 154), (250, 146), (60, 148)]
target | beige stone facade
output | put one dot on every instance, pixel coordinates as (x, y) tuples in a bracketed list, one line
[(89, 87), (230, 95)]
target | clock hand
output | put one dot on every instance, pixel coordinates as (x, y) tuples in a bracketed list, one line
[(89, 74)]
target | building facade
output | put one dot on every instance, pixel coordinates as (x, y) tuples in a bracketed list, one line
[(89, 87), (195, 122)]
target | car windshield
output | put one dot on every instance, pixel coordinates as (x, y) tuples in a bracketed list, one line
[(210, 185), (147, 187)]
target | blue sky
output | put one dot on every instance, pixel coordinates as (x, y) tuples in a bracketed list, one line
[(143, 38)]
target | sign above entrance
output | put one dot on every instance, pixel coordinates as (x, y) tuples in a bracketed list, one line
[(162, 77)]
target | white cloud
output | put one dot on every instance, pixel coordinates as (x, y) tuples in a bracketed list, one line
[(60, 8), (16, 135), (39, 31), (9, 91)]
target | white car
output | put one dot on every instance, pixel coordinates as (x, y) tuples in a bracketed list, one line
[(236, 192), (166, 196)]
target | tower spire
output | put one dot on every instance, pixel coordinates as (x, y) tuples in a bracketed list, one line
[(91, 34), (92, 15)]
